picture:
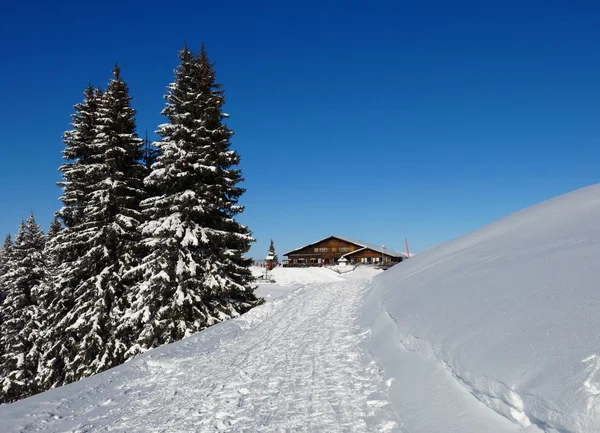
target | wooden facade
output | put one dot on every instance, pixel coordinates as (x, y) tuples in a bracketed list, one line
[(329, 250)]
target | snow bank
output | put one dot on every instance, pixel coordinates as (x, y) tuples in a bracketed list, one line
[(288, 276), (287, 280), (511, 311)]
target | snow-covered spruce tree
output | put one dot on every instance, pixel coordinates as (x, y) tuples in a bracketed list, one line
[(273, 254), (20, 313), (5, 254), (194, 273), (51, 260), (48, 295), (58, 338), (111, 223), (105, 232)]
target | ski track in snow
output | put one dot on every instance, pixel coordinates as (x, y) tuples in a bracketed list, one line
[(300, 368)]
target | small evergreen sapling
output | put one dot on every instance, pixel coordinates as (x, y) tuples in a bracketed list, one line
[(273, 254)]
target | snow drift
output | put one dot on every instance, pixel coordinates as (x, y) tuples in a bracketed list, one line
[(511, 311)]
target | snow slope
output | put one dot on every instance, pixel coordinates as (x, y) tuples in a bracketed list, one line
[(292, 364), (511, 312), (495, 332)]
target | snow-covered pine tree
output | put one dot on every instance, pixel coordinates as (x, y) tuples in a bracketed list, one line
[(48, 296), (51, 260), (194, 274), (54, 229), (80, 157), (20, 313), (273, 253), (110, 225), (58, 339), (5, 254), (106, 228)]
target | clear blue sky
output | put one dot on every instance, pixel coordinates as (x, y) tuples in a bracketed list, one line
[(380, 120)]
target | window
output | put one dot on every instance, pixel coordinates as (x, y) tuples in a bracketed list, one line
[(343, 249), (320, 250)]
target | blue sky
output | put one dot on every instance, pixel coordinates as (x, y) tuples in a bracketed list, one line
[(377, 120)]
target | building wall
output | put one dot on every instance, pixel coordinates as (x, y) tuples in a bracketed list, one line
[(321, 253), (328, 251), (370, 256)]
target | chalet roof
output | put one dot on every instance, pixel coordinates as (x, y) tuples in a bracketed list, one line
[(359, 243)]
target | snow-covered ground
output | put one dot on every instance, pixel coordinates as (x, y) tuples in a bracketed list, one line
[(511, 313), (286, 280), (498, 331), (292, 364)]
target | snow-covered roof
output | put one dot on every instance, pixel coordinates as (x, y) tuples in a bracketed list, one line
[(377, 248)]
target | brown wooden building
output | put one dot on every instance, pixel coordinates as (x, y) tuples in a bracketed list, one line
[(329, 250)]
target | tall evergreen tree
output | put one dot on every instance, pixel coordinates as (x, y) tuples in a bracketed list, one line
[(106, 229), (47, 297), (112, 218), (80, 156), (52, 262), (5, 254), (5, 257), (59, 340), (194, 274), (20, 321)]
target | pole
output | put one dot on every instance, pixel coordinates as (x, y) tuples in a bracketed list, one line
[(407, 252)]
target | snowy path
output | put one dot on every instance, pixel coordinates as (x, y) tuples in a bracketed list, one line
[(291, 365)]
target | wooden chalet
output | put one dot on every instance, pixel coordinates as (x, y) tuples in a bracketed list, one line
[(329, 250)]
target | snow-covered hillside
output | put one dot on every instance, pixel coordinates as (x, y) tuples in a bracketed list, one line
[(295, 363), (495, 332), (511, 312)]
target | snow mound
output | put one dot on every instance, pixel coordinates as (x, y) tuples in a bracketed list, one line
[(291, 276), (283, 281), (511, 312)]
